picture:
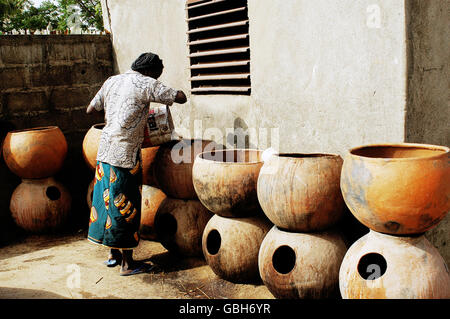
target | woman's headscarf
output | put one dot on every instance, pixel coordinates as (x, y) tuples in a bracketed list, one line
[(146, 61)]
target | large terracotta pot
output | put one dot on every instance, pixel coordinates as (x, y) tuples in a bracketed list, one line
[(225, 181), (301, 265), (148, 159), (397, 188), (173, 166), (36, 152), (90, 144), (301, 192), (40, 205), (179, 225), (152, 198), (382, 266), (231, 246)]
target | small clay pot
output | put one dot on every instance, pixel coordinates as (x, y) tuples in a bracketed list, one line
[(152, 198), (225, 181), (173, 166), (35, 153), (399, 189), (231, 246), (301, 192), (382, 266), (90, 144), (301, 265), (179, 225), (40, 205), (147, 161)]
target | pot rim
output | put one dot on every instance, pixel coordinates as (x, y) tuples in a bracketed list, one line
[(293, 155), (98, 124), (431, 147), (199, 156), (35, 129)]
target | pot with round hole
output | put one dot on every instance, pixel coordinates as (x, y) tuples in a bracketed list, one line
[(295, 265), (40, 205), (179, 225), (231, 246), (383, 266)]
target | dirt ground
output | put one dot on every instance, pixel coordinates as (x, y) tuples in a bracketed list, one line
[(68, 266)]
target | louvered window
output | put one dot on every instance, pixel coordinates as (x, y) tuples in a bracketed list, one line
[(219, 49)]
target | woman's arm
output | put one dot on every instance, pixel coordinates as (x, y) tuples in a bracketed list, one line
[(97, 102)]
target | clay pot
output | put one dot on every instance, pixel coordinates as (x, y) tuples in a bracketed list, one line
[(152, 198), (231, 246), (40, 205), (301, 265), (90, 144), (382, 266), (301, 192), (35, 153), (147, 161), (90, 193), (225, 181), (173, 166), (397, 188), (179, 225)]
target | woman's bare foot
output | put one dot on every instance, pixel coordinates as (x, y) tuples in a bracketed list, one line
[(130, 266)]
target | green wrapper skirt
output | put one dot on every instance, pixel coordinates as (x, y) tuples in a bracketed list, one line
[(116, 207)]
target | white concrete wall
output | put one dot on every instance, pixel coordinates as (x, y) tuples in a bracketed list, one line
[(157, 26), (428, 111), (323, 71)]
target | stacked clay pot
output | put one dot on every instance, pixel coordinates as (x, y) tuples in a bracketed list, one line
[(225, 182), (39, 203), (399, 191), (180, 218), (90, 144), (301, 255), (152, 195), (89, 148)]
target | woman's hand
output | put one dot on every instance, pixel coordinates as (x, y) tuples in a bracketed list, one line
[(180, 98), (89, 109)]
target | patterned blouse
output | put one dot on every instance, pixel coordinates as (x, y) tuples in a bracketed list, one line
[(126, 99)]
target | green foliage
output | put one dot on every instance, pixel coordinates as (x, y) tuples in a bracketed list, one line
[(60, 15)]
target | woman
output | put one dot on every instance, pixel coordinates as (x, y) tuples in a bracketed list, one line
[(115, 213)]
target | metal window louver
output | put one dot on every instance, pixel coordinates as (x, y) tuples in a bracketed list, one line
[(219, 48)]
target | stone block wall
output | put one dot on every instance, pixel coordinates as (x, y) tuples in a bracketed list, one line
[(50, 80)]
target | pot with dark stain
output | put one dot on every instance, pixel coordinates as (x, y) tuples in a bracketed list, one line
[(301, 265), (226, 180), (301, 192), (35, 153), (399, 189), (383, 266)]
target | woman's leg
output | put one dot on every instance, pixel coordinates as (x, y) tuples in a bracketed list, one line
[(114, 258)]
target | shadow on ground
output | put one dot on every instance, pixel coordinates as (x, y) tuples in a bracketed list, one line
[(22, 293)]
